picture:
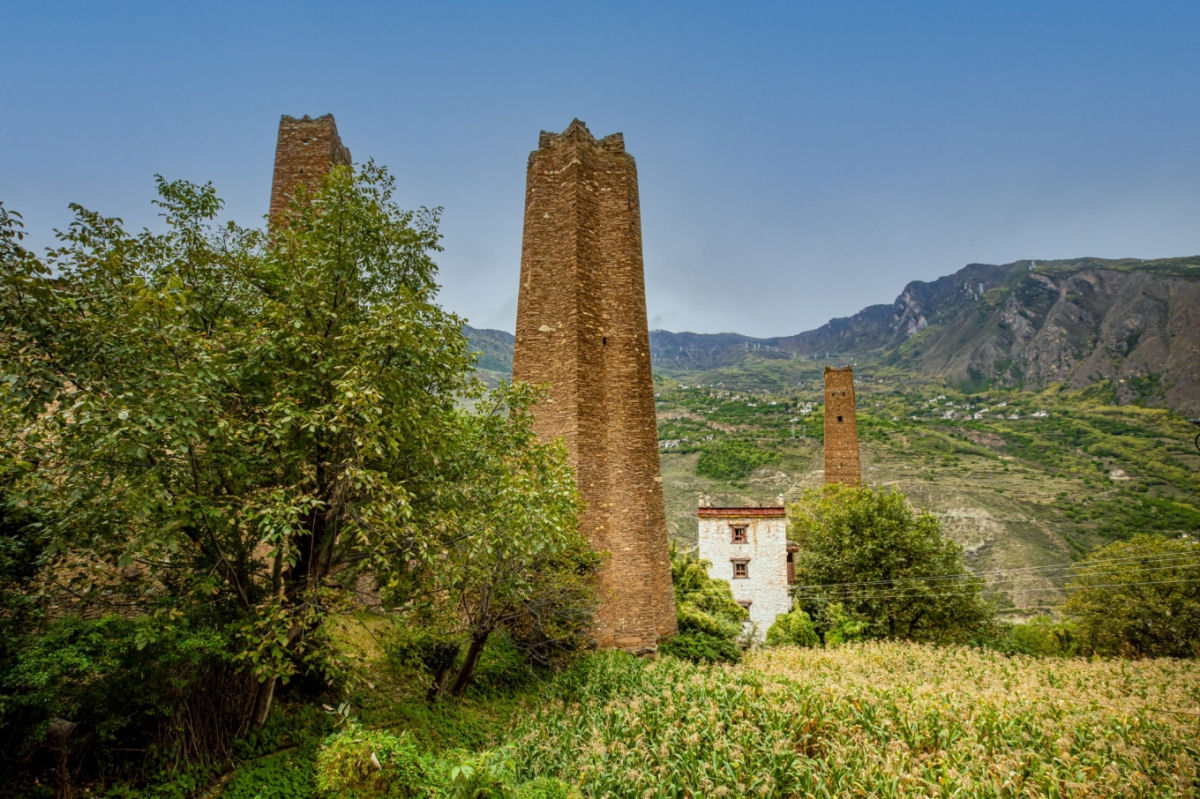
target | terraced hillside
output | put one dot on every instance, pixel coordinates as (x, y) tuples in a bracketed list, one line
[(1021, 479)]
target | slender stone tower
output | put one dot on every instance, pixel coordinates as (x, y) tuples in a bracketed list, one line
[(304, 152), (841, 430), (581, 326)]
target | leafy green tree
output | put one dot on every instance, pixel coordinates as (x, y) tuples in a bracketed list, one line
[(247, 420), (866, 556), (1139, 597), (518, 560), (709, 618)]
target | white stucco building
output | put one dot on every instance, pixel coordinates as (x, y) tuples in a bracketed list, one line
[(749, 548)]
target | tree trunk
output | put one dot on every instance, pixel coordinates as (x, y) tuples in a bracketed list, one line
[(438, 685), (440, 663), (912, 625), (263, 700), (468, 668)]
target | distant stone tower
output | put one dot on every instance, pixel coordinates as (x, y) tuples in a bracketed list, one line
[(581, 326), (304, 152), (841, 430)]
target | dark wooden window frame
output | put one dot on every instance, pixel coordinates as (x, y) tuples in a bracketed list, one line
[(744, 563), (739, 533)]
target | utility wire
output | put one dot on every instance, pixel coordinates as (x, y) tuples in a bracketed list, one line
[(1080, 575), (905, 594), (1188, 559), (1011, 583)]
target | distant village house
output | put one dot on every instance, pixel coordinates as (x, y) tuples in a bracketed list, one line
[(749, 548)]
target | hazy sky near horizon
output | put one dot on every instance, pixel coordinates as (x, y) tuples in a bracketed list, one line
[(797, 160)]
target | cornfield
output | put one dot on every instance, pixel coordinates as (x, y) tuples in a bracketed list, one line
[(873, 719)]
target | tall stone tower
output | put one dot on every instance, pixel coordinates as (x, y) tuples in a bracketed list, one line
[(304, 152), (581, 326), (841, 430)]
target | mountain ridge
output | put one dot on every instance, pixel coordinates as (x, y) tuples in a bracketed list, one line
[(1025, 324)]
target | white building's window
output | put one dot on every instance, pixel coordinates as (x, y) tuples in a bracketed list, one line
[(741, 568), (738, 535)]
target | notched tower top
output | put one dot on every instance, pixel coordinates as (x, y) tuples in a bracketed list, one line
[(577, 133)]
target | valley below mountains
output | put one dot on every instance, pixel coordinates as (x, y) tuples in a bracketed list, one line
[(1038, 408)]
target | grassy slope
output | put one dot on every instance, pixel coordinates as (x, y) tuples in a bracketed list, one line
[(1024, 492)]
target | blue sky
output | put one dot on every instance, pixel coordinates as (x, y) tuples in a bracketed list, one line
[(797, 161)]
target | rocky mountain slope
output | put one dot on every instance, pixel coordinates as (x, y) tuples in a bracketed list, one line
[(1076, 324), (1027, 324)]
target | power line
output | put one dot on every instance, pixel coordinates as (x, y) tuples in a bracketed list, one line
[(1076, 576), (991, 584), (863, 596), (1029, 570), (906, 594)]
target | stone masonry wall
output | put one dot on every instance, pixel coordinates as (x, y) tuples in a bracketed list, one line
[(765, 585), (304, 152), (581, 326), (841, 429)]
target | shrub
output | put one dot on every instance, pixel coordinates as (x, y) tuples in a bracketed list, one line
[(1042, 635), (709, 619), (792, 629), (842, 627), (474, 776), (493, 775), (156, 690), (358, 763)]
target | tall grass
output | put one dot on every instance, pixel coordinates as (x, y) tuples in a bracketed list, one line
[(872, 719)]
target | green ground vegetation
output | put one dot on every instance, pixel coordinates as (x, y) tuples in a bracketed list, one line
[(873, 718)]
